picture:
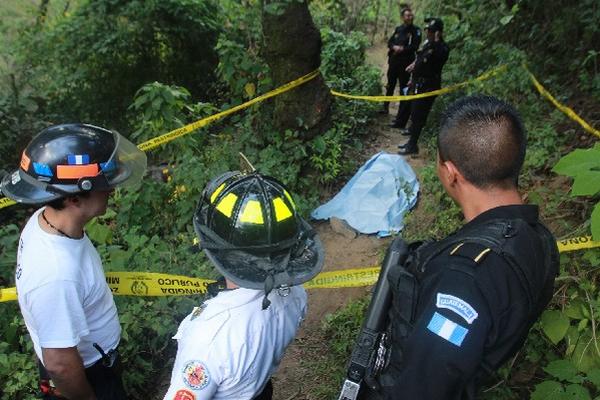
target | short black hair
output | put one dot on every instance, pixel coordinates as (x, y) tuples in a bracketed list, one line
[(485, 138), (403, 10)]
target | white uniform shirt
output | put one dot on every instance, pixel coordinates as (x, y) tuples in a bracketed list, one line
[(229, 347), (63, 294)]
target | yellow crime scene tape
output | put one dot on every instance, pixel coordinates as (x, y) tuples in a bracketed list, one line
[(6, 202), (566, 110), (447, 89), (179, 132), (189, 128), (157, 284)]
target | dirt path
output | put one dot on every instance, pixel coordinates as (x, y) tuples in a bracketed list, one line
[(290, 382)]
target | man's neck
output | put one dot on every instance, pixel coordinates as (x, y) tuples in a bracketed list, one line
[(479, 201), (62, 222)]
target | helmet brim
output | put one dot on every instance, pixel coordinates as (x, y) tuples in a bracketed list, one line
[(251, 271), (18, 189)]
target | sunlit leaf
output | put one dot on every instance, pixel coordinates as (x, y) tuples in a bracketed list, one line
[(584, 167), (554, 325)]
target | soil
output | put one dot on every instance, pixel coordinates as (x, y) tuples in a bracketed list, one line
[(290, 381)]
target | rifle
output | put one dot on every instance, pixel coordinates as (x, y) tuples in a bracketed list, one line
[(369, 352)]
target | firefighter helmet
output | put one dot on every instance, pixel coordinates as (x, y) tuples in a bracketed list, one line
[(68, 159), (249, 228)]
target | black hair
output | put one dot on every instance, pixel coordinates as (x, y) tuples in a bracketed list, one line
[(59, 204), (404, 9), (485, 138)]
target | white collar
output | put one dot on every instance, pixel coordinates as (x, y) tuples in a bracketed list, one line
[(229, 299)]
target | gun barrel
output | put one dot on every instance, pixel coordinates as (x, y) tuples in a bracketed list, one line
[(382, 296)]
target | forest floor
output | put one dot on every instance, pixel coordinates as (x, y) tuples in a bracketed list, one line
[(296, 375)]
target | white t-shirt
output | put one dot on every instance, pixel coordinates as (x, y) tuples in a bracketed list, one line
[(63, 294), (229, 347)]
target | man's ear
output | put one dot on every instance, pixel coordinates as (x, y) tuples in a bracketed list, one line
[(72, 200), (448, 172)]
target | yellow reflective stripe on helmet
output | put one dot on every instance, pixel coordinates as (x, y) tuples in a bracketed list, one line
[(282, 211), (226, 204), (252, 213), (213, 196), (287, 195)]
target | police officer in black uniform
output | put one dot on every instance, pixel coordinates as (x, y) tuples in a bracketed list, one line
[(402, 47), (464, 305), (426, 77)]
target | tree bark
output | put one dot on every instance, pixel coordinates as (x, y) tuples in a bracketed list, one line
[(42, 11), (292, 49)]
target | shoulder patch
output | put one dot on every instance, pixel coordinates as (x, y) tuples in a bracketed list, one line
[(197, 311), (195, 375), (457, 305), (446, 329), (184, 395)]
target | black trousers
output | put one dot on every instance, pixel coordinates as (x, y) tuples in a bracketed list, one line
[(105, 381), (396, 74), (267, 392), (403, 113), (419, 110)]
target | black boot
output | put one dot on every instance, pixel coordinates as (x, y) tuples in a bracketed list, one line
[(408, 148)]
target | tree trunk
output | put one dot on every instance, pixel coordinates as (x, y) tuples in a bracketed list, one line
[(42, 11), (376, 25), (387, 20), (292, 49)]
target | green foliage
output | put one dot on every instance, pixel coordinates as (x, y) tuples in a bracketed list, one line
[(584, 167), (339, 331), (107, 49), (569, 384), (18, 371), (439, 217)]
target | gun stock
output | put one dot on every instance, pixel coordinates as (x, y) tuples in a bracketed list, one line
[(364, 353)]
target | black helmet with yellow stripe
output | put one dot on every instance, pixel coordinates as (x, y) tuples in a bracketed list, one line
[(249, 228)]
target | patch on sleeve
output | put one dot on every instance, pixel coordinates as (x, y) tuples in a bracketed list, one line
[(195, 375), (447, 329), (457, 305), (184, 395)]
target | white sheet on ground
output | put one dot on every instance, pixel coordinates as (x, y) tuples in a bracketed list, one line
[(376, 198)]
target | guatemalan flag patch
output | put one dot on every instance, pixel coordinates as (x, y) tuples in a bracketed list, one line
[(444, 328), (78, 159)]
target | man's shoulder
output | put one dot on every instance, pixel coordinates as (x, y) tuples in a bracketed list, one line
[(41, 264)]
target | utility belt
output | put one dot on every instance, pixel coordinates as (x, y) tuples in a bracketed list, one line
[(108, 362), (426, 84)]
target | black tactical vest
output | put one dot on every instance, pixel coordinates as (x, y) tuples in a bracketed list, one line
[(514, 240)]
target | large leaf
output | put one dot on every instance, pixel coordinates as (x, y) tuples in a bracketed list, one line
[(584, 167), (563, 370), (575, 309), (582, 350), (577, 392), (555, 325), (548, 390)]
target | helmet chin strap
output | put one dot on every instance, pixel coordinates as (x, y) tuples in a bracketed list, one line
[(270, 281)]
